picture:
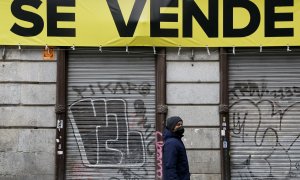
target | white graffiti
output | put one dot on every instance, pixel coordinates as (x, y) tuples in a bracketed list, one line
[(104, 139), (264, 135)]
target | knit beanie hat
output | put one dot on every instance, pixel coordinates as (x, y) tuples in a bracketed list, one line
[(172, 121)]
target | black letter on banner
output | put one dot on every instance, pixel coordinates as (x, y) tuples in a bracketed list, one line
[(36, 20), (271, 17), (123, 29), (210, 25), (228, 18), (53, 17), (156, 17)]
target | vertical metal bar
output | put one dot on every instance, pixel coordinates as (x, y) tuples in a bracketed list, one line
[(224, 116), (161, 108), (60, 111)]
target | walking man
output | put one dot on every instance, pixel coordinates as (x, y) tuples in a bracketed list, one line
[(175, 162)]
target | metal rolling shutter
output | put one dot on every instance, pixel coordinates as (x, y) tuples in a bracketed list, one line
[(264, 114), (111, 115)]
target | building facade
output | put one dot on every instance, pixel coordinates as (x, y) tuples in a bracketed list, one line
[(87, 114)]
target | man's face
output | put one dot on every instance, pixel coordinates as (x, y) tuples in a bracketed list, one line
[(178, 125)]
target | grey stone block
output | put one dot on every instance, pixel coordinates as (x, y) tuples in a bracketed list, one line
[(9, 140), (28, 93), (201, 138), (10, 94), (37, 116), (28, 71), (27, 140), (38, 93), (26, 53), (196, 115), (206, 177), (27, 177), (204, 162), (192, 93), (193, 72), (37, 140), (192, 54), (24, 164), (45, 163)]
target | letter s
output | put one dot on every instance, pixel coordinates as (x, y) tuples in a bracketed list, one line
[(36, 20)]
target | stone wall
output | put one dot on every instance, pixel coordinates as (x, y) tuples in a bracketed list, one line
[(27, 108), (193, 85), (27, 121)]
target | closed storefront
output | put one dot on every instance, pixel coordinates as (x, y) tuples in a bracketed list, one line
[(86, 87), (111, 128), (264, 114)]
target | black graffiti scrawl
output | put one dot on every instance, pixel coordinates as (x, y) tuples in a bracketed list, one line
[(103, 136), (265, 132)]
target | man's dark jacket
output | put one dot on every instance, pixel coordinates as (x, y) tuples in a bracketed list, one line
[(175, 162)]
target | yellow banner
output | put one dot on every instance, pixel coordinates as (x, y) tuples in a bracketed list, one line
[(168, 23)]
